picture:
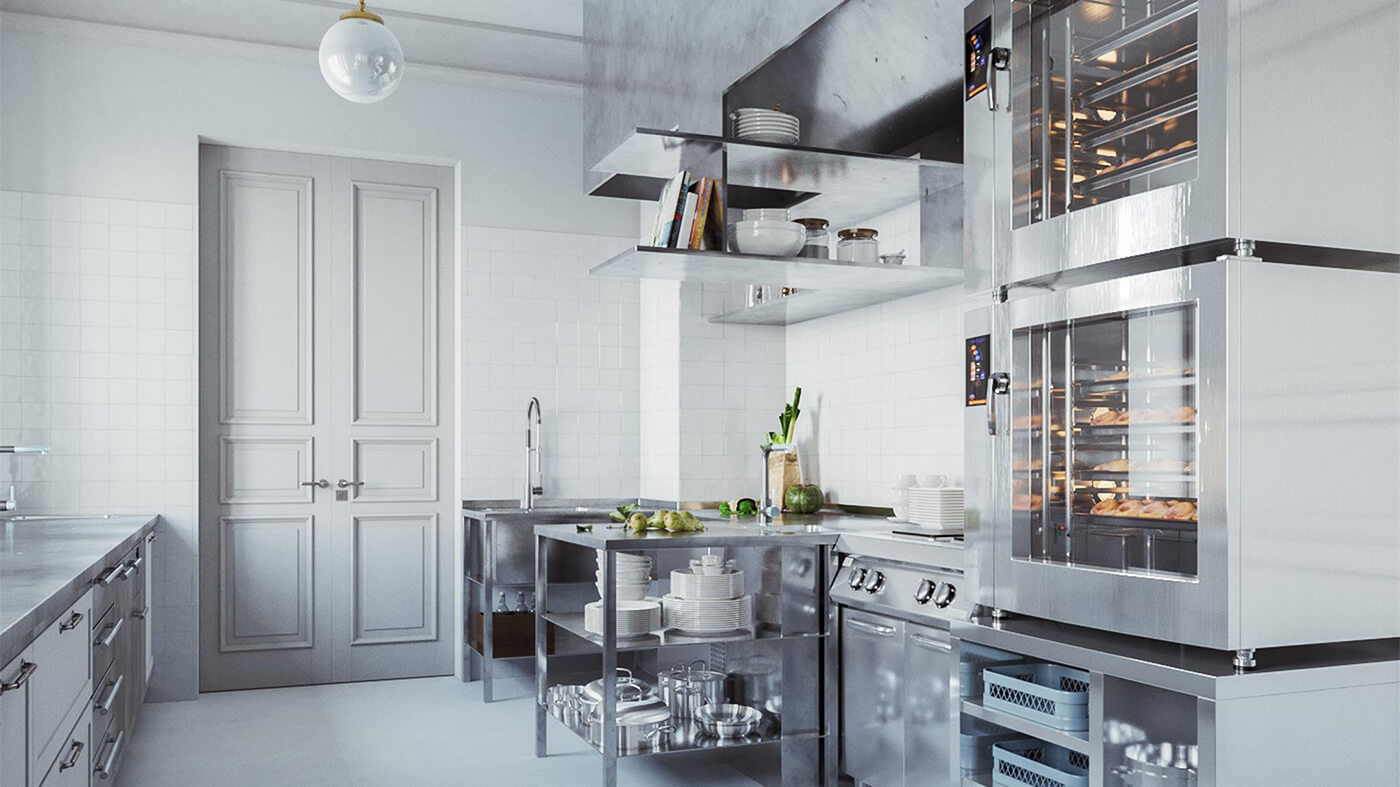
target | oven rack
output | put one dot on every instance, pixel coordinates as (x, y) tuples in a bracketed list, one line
[(1057, 517), (1142, 383), (1135, 476)]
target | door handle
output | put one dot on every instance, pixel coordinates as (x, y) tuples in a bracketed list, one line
[(343, 484), (872, 628), (74, 752), (930, 642), (999, 385), (1000, 60), (73, 621), (141, 614), (321, 484)]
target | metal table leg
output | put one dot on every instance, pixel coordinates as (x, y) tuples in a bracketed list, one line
[(488, 620), (541, 645), (610, 669)]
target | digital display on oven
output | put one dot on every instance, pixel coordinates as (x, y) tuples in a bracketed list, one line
[(978, 46), (979, 360)]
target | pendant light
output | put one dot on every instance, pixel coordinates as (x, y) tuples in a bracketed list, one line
[(360, 58)]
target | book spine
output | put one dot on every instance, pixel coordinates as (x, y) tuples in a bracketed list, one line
[(687, 222), (678, 215), (702, 213)]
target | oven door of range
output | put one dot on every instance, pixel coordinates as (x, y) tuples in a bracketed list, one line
[(1115, 434)]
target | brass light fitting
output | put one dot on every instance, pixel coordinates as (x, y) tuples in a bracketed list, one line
[(361, 13)]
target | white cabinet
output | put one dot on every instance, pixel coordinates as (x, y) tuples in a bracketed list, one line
[(73, 766), (64, 677), (14, 726)]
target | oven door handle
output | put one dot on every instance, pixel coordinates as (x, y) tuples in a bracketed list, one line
[(870, 628), (999, 60), (998, 384)]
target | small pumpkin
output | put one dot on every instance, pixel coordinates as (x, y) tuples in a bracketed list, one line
[(803, 498)]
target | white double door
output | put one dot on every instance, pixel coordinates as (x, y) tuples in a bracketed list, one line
[(327, 419)]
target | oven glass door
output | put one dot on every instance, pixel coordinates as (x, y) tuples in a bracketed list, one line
[(1104, 102), (1104, 442)]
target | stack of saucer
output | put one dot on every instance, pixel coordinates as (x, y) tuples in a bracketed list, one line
[(632, 578), (939, 508), (765, 125), (708, 598), (634, 618)]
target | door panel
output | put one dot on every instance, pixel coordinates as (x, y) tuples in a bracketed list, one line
[(395, 320), (265, 244), (330, 279), (265, 583), (265, 470), (395, 578), (404, 470)]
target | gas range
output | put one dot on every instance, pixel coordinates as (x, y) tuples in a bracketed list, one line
[(920, 592)]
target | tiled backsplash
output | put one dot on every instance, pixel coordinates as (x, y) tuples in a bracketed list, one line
[(97, 361), (534, 323), (880, 395)]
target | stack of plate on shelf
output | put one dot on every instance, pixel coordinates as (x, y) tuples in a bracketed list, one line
[(707, 598), (634, 618), (765, 125), (936, 508), (632, 578)]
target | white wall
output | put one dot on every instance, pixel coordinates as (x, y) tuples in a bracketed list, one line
[(534, 323), (112, 114)]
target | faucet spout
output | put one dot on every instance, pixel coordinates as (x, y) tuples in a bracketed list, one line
[(534, 480)]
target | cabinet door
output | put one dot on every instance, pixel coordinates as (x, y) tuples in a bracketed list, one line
[(63, 653), (872, 698), (928, 714), (14, 728)]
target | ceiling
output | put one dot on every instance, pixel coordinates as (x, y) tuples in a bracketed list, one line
[(537, 39)]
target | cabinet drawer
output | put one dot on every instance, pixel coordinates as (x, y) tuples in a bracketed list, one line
[(109, 700), (104, 588), (63, 656), (106, 758), (72, 768), (14, 760), (107, 636)]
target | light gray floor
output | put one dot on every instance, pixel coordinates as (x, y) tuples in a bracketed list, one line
[(433, 731)]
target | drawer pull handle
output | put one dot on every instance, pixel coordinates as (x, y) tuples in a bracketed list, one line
[(73, 621), (930, 642), (26, 671), (108, 577), (131, 566), (141, 614), (74, 752), (104, 706), (112, 629), (871, 628), (104, 771)]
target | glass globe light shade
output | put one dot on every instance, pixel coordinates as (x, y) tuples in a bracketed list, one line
[(361, 60)]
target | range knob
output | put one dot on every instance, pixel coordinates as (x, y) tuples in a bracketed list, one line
[(875, 583), (925, 592), (944, 595), (857, 578)]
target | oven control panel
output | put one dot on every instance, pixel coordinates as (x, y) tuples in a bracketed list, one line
[(901, 588)]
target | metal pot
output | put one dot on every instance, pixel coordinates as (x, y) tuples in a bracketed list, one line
[(563, 703), (640, 726), (685, 701), (594, 689), (728, 721), (709, 683), (757, 684)]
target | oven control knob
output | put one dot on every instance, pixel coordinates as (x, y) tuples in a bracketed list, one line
[(925, 592), (944, 595), (857, 578), (875, 583)]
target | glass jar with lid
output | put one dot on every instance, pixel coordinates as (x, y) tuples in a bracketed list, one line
[(858, 244), (818, 243)]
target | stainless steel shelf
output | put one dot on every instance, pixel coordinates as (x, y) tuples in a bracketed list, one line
[(841, 186), (1074, 741), (572, 622), (1138, 30), (650, 262), (687, 738)]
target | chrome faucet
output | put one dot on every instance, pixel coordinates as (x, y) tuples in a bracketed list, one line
[(12, 502), (769, 510), (534, 480)]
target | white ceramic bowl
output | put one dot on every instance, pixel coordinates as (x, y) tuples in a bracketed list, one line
[(628, 591), (772, 137), (765, 214), (773, 238)]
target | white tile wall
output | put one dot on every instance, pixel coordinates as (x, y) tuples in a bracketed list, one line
[(660, 416), (97, 361), (534, 323), (880, 395)]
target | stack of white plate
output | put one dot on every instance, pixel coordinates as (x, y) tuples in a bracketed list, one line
[(712, 616), (765, 125), (690, 586), (634, 618), (633, 578), (936, 508)]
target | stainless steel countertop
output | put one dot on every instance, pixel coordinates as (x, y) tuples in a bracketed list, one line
[(1190, 670), (47, 564)]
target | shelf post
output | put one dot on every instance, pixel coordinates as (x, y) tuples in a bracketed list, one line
[(541, 645)]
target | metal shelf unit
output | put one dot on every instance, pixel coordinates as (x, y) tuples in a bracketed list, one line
[(797, 629)]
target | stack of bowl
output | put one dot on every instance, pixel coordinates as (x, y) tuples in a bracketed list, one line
[(765, 125), (768, 231), (632, 578)]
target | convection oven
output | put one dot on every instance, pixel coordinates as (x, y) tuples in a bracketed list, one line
[(1205, 455)]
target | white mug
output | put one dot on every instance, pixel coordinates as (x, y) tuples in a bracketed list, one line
[(932, 481)]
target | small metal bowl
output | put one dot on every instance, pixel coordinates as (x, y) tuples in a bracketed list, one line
[(728, 720)]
